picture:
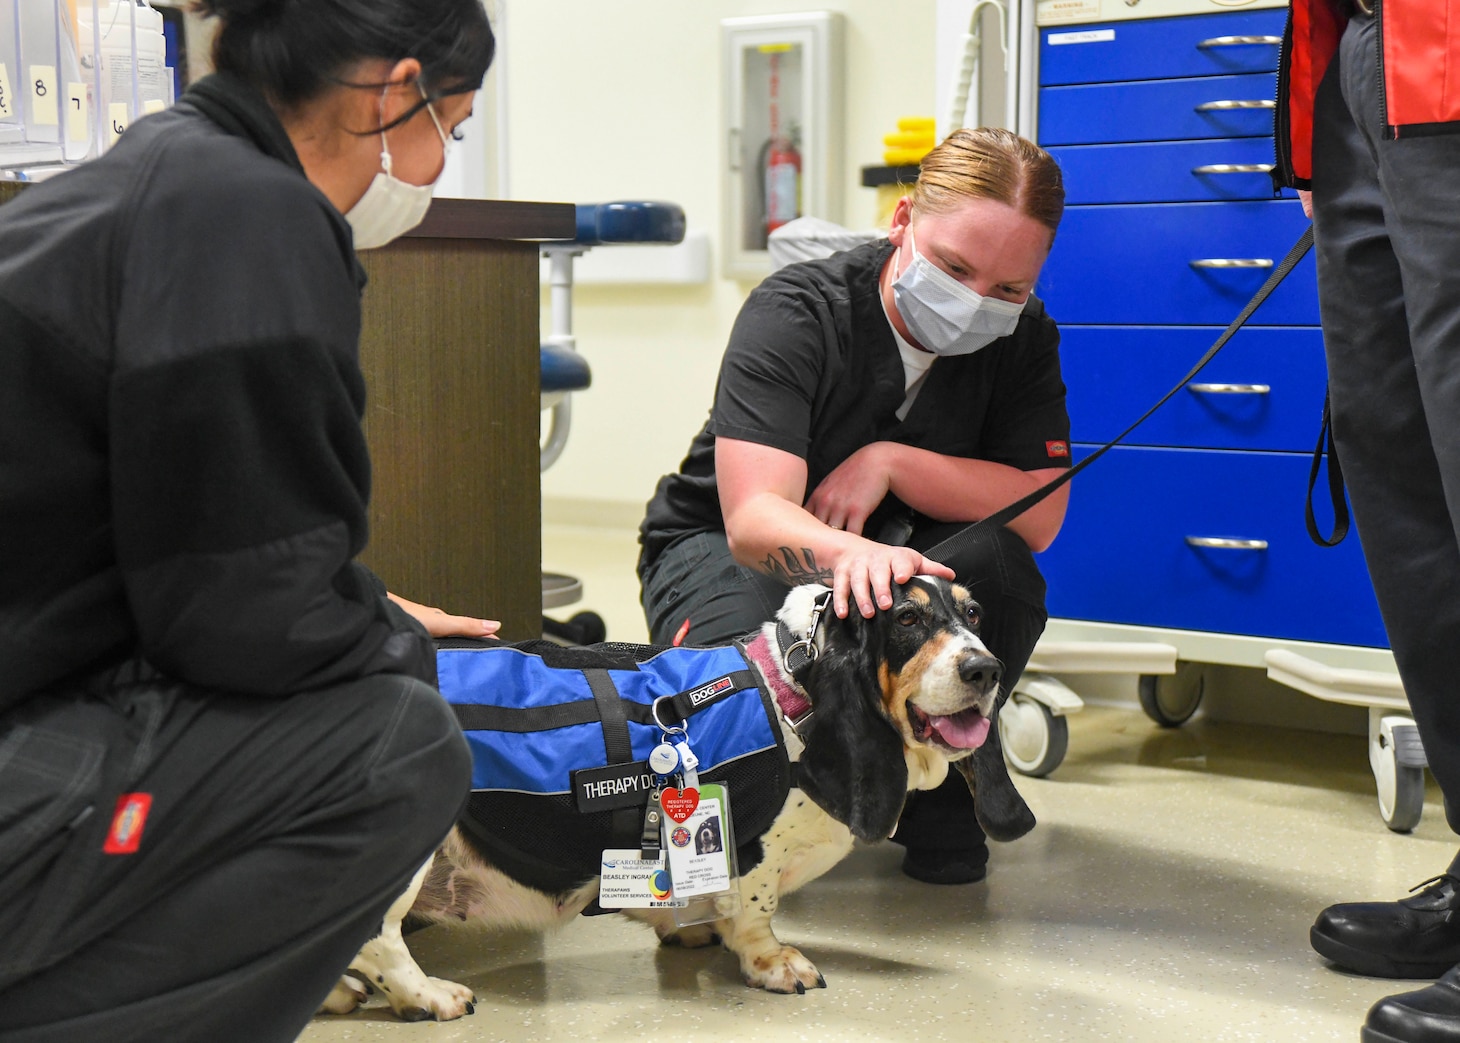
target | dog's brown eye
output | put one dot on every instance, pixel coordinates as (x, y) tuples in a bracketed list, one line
[(974, 617), (907, 617)]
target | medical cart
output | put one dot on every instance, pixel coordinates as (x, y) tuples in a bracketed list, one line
[(1186, 545)]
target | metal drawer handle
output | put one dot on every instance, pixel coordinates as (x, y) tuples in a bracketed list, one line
[(1232, 262), (1233, 168), (1238, 41), (1231, 389), (1225, 544), (1208, 106)]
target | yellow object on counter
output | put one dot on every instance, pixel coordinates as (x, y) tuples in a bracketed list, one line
[(908, 139), (904, 157), (919, 124), (912, 141)]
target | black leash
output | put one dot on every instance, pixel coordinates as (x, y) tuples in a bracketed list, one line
[(1335, 486), (967, 537)]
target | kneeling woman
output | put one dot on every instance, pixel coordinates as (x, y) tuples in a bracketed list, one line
[(868, 406), (222, 755)]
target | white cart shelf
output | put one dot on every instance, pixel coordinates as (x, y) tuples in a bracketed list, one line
[(1035, 735)]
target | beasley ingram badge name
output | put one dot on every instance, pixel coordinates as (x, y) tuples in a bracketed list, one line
[(627, 881)]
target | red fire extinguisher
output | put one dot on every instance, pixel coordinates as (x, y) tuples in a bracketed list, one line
[(783, 163)]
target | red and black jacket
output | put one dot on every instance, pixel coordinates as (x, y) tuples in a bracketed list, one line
[(1419, 73)]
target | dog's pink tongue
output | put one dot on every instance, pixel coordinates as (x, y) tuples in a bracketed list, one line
[(966, 734)]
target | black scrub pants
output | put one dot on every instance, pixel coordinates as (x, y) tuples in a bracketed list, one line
[(279, 832), (1387, 227), (696, 578)]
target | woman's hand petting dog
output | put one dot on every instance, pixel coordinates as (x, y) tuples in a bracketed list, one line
[(439, 623)]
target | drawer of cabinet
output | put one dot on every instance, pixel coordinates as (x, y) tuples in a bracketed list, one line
[(1177, 264), (1158, 110), (1264, 390), (1206, 540), (1168, 171), (1161, 48)]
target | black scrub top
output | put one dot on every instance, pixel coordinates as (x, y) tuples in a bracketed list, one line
[(183, 475), (812, 368)]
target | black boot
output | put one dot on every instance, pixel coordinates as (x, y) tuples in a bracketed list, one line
[(1417, 937), (943, 866), (1430, 1015)]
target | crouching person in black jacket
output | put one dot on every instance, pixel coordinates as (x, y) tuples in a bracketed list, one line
[(221, 751)]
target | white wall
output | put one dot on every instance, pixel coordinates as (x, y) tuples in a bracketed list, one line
[(621, 101)]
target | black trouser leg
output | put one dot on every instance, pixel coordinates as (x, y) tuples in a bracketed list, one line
[(279, 832), (1387, 224), (1002, 575), (697, 580)]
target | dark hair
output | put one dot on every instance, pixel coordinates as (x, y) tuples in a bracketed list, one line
[(291, 50)]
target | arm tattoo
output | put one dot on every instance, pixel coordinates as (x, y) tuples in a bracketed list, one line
[(793, 571)]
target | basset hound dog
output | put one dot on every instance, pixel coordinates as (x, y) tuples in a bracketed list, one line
[(871, 709)]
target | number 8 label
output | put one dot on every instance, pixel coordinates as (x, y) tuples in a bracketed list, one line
[(43, 96)]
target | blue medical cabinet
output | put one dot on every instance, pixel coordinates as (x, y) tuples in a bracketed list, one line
[(1163, 128), (1186, 545)]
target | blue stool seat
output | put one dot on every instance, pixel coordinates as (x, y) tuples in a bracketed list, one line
[(563, 369), (629, 222)]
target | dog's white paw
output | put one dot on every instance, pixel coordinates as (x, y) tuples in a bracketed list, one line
[(784, 970), (349, 992), (436, 1000)]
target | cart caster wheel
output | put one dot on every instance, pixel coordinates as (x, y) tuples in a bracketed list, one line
[(1035, 741), (1171, 699), (1397, 758)]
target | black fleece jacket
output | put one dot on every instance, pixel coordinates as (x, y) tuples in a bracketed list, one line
[(183, 475)]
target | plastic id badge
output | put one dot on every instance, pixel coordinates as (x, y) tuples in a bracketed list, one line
[(700, 843), (627, 880)]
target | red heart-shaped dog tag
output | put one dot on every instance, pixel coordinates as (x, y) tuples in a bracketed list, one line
[(680, 804)]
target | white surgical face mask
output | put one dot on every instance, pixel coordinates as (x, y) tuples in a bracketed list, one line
[(391, 207), (945, 316)]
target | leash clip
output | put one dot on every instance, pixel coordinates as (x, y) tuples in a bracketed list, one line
[(807, 645)]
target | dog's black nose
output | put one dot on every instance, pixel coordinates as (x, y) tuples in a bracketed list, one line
[(981, 670)]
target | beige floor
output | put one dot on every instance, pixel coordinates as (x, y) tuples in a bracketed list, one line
[(1165, 895)]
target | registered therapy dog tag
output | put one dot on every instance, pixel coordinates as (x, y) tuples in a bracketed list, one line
[(679, 804)]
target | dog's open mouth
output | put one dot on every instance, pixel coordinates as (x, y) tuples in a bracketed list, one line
[(964, 730)]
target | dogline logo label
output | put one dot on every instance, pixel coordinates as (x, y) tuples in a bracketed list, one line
[(705, 693)]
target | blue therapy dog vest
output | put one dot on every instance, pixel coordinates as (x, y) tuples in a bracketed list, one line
[(559, 739)]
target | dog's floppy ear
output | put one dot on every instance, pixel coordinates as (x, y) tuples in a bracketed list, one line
[(1000, 809), (853, 766)]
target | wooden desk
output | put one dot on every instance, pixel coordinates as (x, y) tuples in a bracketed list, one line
[(450, 355)]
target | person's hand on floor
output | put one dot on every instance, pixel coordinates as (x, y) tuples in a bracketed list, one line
[(442, 624)]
